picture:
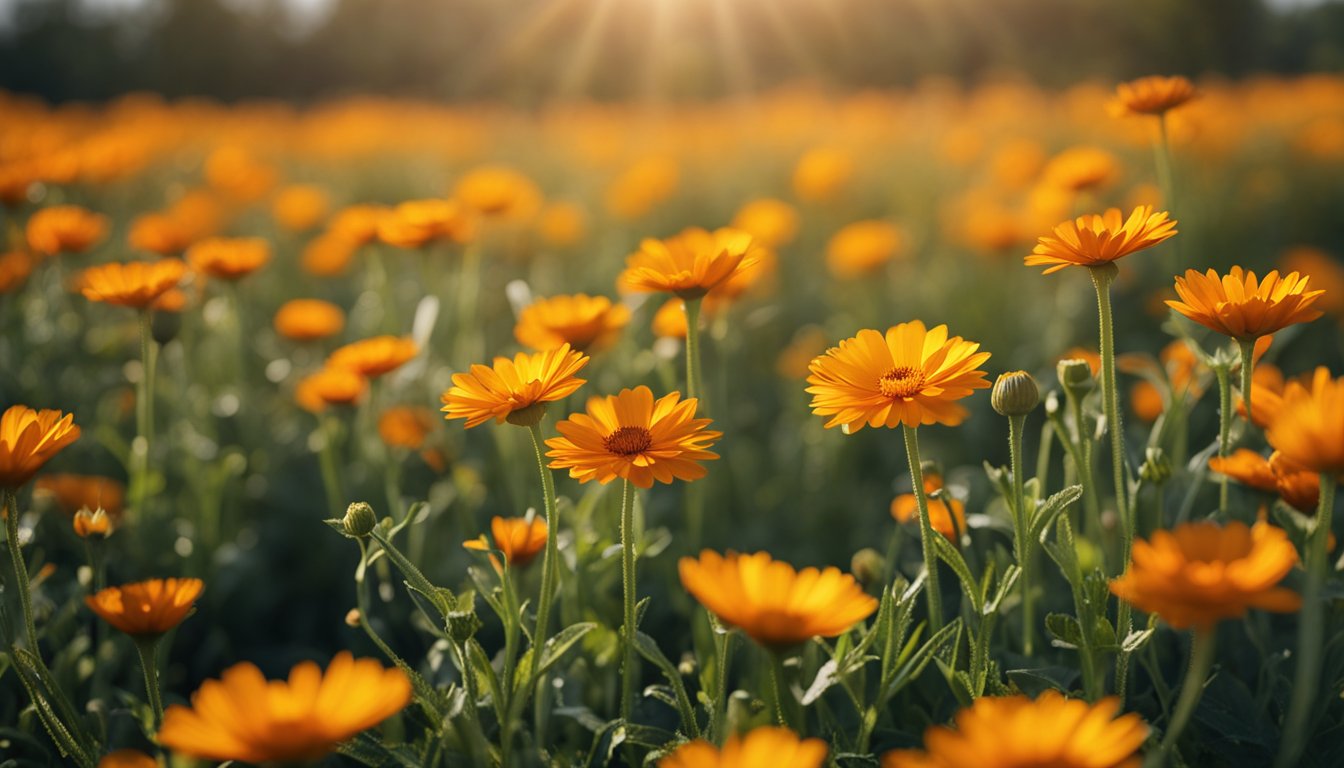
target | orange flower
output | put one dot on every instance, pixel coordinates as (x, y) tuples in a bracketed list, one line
[(65, 229), (947, 515), (912, 376), (862, 248), (308, 319), (514, 390), (405, 426), (357, 224), (136, 284), (160, 233), (822, 174), (238, 174), (1309, 427), (492, 190), (1199, 573), (28, 439), (1152, 95), (1267, 385), (689, 264), (632, 436), (1239, 306), (772, 603), (562, 224), (146, 609), (764, 746), (229, 258), (642, 186), (15, 267), (127, 758), (330, 386), (770, 222), (418, 223), (1325, 270), (586, 323), (1081, 168), (374, 357), (242, 716), (328, 254), (1246, 467), (75, 492), (1099, 239), (300, 207), (1016, 732), (519, 538), (1296, 485), (97, 523)]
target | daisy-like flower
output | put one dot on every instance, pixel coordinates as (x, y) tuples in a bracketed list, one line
[(1100, 239), (127, 758), (136, 284), (308, 319), (418, 223), (910, 376), (405, 426), (243, 716), (1199, 573), (585, 323), (1298, 487), (229, 258), (514, 390), (947, 515), (1017, 732), (520, 539), (146, 609), (1152, 95), (493, 190), (330, 386), (1240, 306), (374, 357), (75, 492), (28, 439), (65, 229), (632, 436), (15, 267), (760, 747), (771, 602), (160, 233), (1309, 426), (689, 264)]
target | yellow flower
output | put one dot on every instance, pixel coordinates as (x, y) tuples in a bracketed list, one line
[(632, 436), (514, 390), (822, 174), (492, 190), (770, 222), (689, 264), (308, 319), (418, 223), (1309, 426), (28, 439), (86, 523), (911, 376), (764, 747), (1239, 306), (242, 716), (863, 247), (65, 229), (1081, 168), (300, 207), (146, 608), (330, 386), (586, 323), (374, 357), (772, 603), (1098, 239), (1016, 732), (405, 426), (1198, 573), (229, 258), (328, 255), (520, 539), (159, 233), (136, 284), (562, 224), (1152, 95)]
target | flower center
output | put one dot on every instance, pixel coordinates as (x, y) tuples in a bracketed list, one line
[(902, 381), (628, 441)]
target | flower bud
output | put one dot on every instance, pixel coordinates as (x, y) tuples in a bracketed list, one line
[(1156, 467), (1075, 376), (352, 618), (359, 519), (96, 523), (1015, 394), (867, 565)]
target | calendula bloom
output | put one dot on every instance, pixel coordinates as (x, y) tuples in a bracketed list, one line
[(1267, 384), (1298, 486), (770, 222), (493, 190), (96, 523), (127, 758), (75, 492), (763, 747), (1239, 306), (146, 609), (160, 233), (1152, 95), (328, 254), (947, 515), (1309, 427), (514, 390), (586, 323), (417, 223), (15, 267), (330, 386), (690, 264), (357, 224), (374, 357), (28, 439), (822, 174), (863, 247), (243, 716), (1326, 273), (562, 224), (1081, 168), (300, 207), (229, 258), (1246, 467), (405, 426), (308, 319), (519, 538), (1099, 239), (136, 284), (65, 229), (1199, 573), (772, 603), (632, 436), (239, 175), (1017, 732), (910, 376), (642, 186)]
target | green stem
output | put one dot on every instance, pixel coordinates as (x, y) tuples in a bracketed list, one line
[(144, 419), (1307, 677), (1247, 370), (148, 649), (1101, 280), (1043, 457), (512, 624), (1022, 524), (723, 646), (331, 475), (777, 681), (1224, 430), (1192, 688), (1083, 465), (550, 565), (629, 671), (11, 510), (693, 388), (926, 532)]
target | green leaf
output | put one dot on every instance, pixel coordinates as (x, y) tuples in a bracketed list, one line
[(1034, 682), (949, 554), (561, 642), (833, 673), (915, 662), (1065, 630), (1047, 510), (1103, 635), (648, 648)]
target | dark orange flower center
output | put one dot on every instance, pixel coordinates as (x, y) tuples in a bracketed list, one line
[(628, 441), (902, 381)]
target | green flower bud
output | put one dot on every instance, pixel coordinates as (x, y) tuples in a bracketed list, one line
[(867, 565), (359, 519), (1156, 468), (1075, 376), (1015, 394)]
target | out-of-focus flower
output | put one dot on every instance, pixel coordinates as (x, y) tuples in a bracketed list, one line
[(237, 174), (308, 319), (127, 758), (229, 258), (772, 223), (146, 609), (136, 284), (863, 247), (947, 515), (1326, 272), (405, 426), (75, 492), (357, 224), (419, 223), (15, 267), (300, 207), (1152, 95), (375, 356), (822, 174), (642, 186), (498, 191), (562, 224), (65, 229), (330, 386), (759, 747), (1309, 426), (1080, 169), (328, 255), (159, 233), (520, 539), (586, 323)]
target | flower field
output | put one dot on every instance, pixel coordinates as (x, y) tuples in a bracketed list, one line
[(987, 426)]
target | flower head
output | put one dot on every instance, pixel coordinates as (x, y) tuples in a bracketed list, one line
[(242, 716), (519, 538), (1152, 95), (146, 608), (910, 376), (75, 492), (127, 758), (28, 439), (764, 746), (689, 264), (1198, 573), (1017, 732), (863, 247), (947, 515), (160, 233), (418, 223), (1309, 426), (771, 602), (300, 207), (514, 390), (374, 357), (582, 321), (493, 190), (1239, 306), (86, 523), (632, 436), (330, 386), (770, 222), (405, 426), (229, 258), (1099, 239), (65, 229), (135, 284), (308, 319), (15, 267)]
